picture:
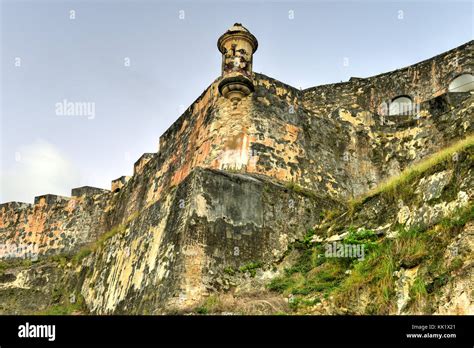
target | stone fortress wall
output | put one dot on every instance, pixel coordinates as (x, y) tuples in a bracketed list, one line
[(421, 82), (330, 138), (179, 205)]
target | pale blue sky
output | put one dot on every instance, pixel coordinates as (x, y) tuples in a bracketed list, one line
[(172, 61)]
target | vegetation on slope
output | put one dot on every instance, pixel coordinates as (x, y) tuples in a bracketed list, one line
[(348, 280), (369, 285)]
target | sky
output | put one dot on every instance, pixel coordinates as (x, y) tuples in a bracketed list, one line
[(137, 65)]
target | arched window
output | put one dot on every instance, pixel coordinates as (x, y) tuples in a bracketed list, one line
[(462, 83), (400, 106)]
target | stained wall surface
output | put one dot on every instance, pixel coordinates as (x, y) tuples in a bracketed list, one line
[(333, 140)]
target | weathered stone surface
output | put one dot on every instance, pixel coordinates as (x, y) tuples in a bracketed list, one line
[(50, 199), (436, 195), (457, 297), (404, 281), (445, 270), (87, 191), (183, 217), (52, 225), (117, 184), (176, 250), (140, 163)]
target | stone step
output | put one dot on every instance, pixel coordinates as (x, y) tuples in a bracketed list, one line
[(51, 199), (87, 191)]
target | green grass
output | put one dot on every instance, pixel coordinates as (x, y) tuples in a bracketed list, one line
[(315, 276), (82, 253), (456, 264), (418, 289), (65, 307), (251, 267), (459, 219), (208, 306), (364, 237), (418, 294), (374, 274), (60, 259), (229, 271), (313, 271)]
